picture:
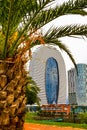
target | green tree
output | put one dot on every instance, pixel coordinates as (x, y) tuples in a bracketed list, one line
[(32, 91), (20, 21)]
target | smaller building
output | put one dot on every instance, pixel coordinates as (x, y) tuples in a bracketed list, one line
[(57, 109), (77, 85)]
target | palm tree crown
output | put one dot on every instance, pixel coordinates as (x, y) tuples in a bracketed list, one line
[(20, 19)]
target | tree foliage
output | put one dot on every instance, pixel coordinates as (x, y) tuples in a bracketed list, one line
[(21, 19), (32, 91)]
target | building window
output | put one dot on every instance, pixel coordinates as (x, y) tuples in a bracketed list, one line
[(52, 81)]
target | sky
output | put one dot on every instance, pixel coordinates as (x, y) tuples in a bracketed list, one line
[(77, 46)]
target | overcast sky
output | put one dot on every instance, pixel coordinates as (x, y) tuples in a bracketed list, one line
[(78, 47)]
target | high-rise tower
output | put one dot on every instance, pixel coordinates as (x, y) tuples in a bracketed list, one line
[(77, 85)]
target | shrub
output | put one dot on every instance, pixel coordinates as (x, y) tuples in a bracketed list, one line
[(83, 117)]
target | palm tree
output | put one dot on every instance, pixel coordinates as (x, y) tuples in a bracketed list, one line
[(20, 21), (32, 91)]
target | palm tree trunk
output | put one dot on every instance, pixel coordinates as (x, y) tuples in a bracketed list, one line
[(12, 95)]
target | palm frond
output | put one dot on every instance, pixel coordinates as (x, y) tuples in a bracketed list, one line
[(31, 15), (37, 17), (26, 16), (68, 30), (61, 47), (70, 7), (8, 29)]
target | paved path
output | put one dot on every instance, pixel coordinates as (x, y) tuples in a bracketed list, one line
[(30, 126)]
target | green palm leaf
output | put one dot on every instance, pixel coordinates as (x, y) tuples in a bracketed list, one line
[(45, 16), (62, 47), (25, 17), (67, 30)]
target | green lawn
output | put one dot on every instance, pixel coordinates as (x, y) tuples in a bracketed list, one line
[(30, 118)]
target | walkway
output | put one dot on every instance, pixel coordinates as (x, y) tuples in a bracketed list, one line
[(29, 126)]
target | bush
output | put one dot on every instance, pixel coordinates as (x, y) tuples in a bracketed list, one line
[(83, 117)]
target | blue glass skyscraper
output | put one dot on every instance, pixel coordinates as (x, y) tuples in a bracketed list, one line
[(77, 85), (81, 89)]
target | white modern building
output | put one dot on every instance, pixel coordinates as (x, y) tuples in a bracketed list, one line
[(77, 85), (47, 68)]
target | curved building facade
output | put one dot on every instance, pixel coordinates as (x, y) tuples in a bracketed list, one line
[(47, 68)]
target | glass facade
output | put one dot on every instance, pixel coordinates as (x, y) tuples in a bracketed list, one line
[(52, 81), (81, 84), (78, 85)]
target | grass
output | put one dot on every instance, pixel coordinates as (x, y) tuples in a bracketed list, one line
[(30, 118)]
